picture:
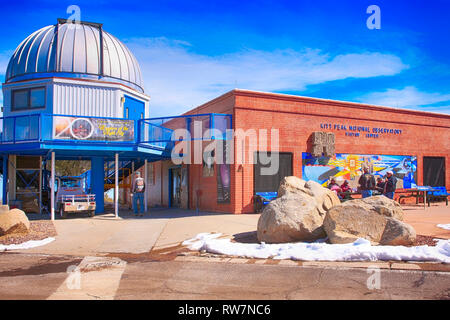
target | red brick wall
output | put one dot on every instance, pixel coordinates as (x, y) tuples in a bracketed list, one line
[(423, 134), (206, 187)]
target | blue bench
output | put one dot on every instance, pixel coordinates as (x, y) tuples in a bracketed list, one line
[(438, 193), (261, 199)]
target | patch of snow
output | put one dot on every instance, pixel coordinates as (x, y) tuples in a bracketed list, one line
[(26, 245), (444, 226), (360, 250)]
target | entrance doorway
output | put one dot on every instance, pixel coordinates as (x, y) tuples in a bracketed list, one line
[(175, 187), (434, 171), (270, 183)]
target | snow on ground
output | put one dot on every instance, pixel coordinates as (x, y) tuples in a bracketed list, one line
[(26, 245), (444, 226), (360, 250)]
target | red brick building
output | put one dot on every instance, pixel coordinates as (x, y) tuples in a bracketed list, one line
[(418, 141)]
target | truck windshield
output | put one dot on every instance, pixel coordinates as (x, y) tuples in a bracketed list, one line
[(71, 183)]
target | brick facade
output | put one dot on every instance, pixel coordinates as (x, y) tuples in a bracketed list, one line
[(422, 134)]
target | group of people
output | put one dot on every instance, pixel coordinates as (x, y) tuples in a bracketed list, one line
[(339, 189), (367, 185), (385, 186)]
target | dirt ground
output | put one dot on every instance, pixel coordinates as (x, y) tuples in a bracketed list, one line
[(38, 230)]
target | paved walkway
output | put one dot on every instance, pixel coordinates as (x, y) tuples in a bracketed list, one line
[(424, 221), (140, 258), (162, 228), (33, 276)]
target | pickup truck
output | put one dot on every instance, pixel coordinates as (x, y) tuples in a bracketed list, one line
[(70, 197)]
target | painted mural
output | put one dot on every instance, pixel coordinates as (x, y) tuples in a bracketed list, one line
[(345, 166), (90, 128)]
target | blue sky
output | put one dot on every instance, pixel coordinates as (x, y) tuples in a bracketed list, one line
[(193, 51)]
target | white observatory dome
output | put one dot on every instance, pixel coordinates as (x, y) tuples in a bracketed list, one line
[(74, 51)]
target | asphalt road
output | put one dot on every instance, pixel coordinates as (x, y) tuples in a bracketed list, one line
[(36, 276)]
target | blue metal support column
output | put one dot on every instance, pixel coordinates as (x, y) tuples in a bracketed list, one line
[(5, 179), (97, 182)]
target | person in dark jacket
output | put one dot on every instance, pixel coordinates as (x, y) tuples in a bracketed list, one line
[(380, 185), (390, 185), (366, 183)]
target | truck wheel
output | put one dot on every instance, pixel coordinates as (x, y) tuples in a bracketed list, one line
[(91, 213), (62, 213)]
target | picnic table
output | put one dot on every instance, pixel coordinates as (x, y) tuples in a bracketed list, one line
[(347, 195), (261, 199), (424, 192)]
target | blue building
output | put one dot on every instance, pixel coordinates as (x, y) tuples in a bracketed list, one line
[(73, 91)]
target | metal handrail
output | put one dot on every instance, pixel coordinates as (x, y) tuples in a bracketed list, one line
[(42, 130)]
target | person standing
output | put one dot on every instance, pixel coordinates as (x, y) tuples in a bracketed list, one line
[(380, 185), (138, 189), (390, 185), (366, 183)]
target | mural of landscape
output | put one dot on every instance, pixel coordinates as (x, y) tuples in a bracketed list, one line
[(345, 166)]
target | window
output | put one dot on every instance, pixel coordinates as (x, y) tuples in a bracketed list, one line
[(434, 171), (270, 183), (32, 98)]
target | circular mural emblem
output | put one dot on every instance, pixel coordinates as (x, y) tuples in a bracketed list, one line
[(81, 129)]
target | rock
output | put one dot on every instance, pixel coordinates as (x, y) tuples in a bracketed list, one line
[(398, 233), (293, 184), (385, 206), (375, 219), (298, 212), (289, 218), (13, 221), (326, 198)]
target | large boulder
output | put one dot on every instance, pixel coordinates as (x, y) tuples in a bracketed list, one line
[(377, 219), (384, 206), (298, 212), (293, 184), (289, 218), (13, 221), (325, 197)]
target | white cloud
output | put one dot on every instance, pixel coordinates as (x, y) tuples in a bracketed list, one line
[(178, 79), (409, 97)]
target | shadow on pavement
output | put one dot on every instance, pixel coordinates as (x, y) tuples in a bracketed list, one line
[(159, 213), (246, 237)]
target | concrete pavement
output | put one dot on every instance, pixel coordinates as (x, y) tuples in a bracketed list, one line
[(424, 221), (168, 228), (33, 276), (141, 258), (158, 229)]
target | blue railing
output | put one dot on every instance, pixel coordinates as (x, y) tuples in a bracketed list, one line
[(163, 130), (25, 128), (159, 133), (54, 127)]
